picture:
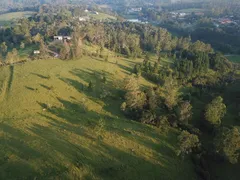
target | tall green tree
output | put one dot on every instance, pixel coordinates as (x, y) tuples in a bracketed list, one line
[(227, 144), (4, 48), (184, 112), (187, 142), (215, 111)]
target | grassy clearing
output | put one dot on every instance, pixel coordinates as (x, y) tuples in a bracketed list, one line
[(191, 10), (234, 58), (9, 17), (102, 16), (52, 127)]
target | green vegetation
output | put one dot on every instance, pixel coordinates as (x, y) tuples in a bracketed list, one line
[(9, 17), (234, 58), (102, 16), (53, 127), (71, 87), (191, 10)]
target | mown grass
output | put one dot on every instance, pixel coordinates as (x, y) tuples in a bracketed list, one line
[(234, 58), (102, 16), (52, 127), (9, 17), (191, 10)]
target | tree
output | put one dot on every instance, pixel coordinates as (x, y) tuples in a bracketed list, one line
[(1, 60), (135, 99), (22, 45), (104, 79), (12, 57), (227, 144), (148, 117), (130, 84), (152, 99), (137, 70), (184, 112), (4, 48), (163, 123), (9, 58), (65, 52), (215, 111), (170, 93), (37, 38), (43, 49), (90, 86), (187, 142), (156, 67)]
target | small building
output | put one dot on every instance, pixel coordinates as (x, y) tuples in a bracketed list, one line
[(182, 14), (199, 13), (62, 38), (86, 11), (136, 9), (97, 13), (36, 52), (83, 19), (67, 38), (59, 38)]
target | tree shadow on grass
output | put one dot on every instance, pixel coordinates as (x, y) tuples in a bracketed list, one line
[(40, 76), (46, 87), (103, 160), (77, 85), (67, 147), (106, 161), (30, 88), (16, 154), (126, 69)]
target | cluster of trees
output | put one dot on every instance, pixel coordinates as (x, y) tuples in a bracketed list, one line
[(165, 106), (127, 38), (204, 70)]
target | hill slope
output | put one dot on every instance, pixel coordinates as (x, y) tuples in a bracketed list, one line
[(52, 127)]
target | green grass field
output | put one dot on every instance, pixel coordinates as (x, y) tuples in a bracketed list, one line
[(102, 16), (191, 10), (9, 17), (234, 58), (52, 127)]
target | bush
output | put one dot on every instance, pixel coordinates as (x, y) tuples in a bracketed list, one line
[(187, 142)]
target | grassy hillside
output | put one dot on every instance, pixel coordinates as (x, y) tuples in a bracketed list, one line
[(102, 16), (52, 127), (9, 17), (234, 58)]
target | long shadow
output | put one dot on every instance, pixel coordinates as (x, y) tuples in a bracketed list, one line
[(77, 85), (15, 154), (10, 78), (40, 76), (104, 160), (112, 101), (112, 163), (30, 88), (126, 68), (102, 60), (45, 87)]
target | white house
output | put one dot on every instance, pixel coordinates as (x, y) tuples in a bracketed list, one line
[(36, 52), (60, 38), (67, 38), (84, 18)]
